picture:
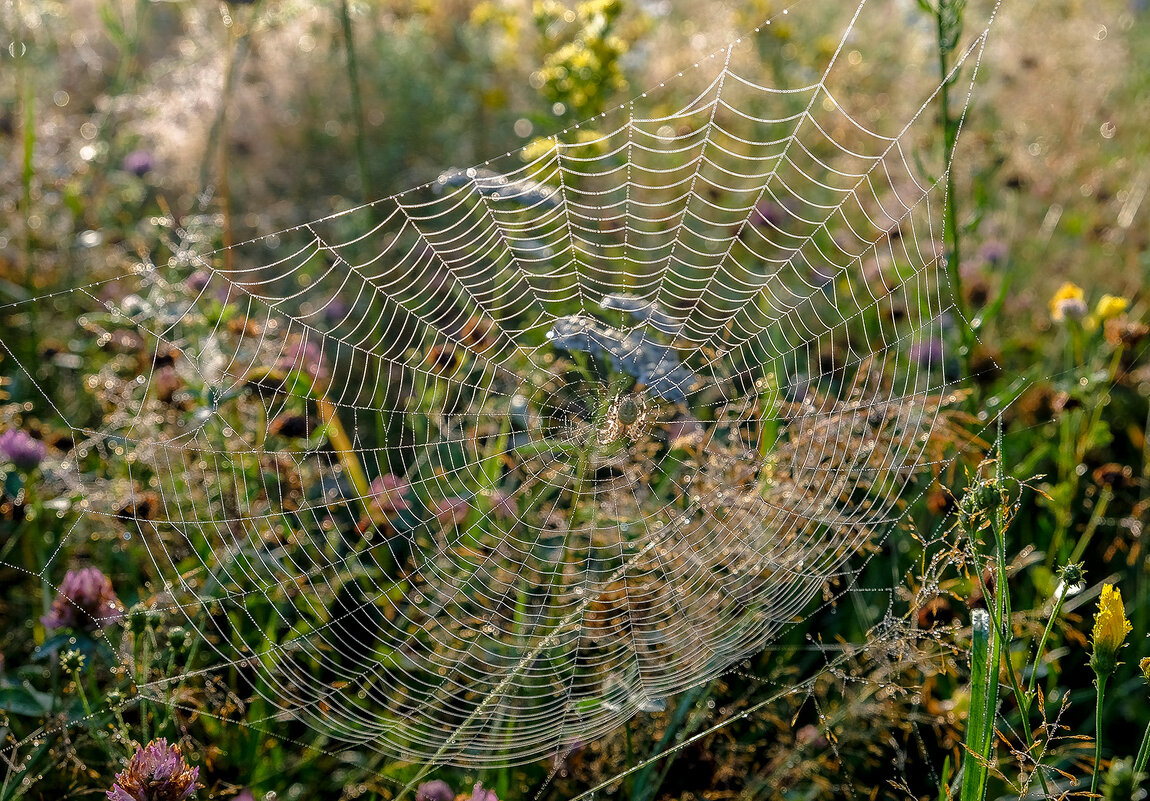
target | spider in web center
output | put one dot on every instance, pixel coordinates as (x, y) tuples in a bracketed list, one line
[(626, 419)]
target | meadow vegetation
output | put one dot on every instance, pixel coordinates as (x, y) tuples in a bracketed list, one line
[(991, 644)]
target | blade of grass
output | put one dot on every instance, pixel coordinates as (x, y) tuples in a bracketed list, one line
[(645, 789), (983, 702)]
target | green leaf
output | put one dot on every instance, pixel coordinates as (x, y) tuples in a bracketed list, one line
[(588, 705), (13, 484), (23, 700)]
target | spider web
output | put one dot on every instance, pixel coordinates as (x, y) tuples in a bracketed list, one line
[(499, 462)]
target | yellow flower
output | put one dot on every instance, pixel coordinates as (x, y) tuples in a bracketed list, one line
[(1110, 630), (1069, 302), (1145, 666), (1110, 306)]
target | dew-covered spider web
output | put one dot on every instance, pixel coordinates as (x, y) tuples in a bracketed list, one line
[(502, 460)]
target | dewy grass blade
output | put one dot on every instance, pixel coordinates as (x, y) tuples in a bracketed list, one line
[(983, 701)]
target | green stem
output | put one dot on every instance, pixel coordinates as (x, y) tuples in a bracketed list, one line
[(1002, 616), (648, 788), (1143, 753), (217, 149), (1092, 525), (1100, 683), (950, 211), (91, 718), (28, 130), (143, 676), (356, 100), (125, 735), (630, 761), (1062, 590)]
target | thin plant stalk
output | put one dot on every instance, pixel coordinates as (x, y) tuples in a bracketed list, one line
[(1001, 612), (238, 48), (1096, 517), (948, 19), (1100, 684), (356, 100), (1143, 753), (1002, 619), (643, 786), (1062, 592), (91, 718), (27, 100)]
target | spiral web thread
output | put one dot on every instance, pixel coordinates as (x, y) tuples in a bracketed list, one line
[(503, 460)]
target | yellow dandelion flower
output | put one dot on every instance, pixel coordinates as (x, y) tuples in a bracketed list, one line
[(1145, 666), (1069, 302), (1110, 306), (1110, 630)]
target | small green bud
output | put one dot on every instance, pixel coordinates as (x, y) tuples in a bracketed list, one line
[(114, 698), (178, 639), (138, 619), (1073, 577), (978, 504), (72, 661)]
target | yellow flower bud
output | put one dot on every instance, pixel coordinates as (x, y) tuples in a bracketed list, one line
[(1069, 302), (1145, 665), (1110, 630), (1110, 306)]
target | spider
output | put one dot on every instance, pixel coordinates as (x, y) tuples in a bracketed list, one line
[(626, 417)]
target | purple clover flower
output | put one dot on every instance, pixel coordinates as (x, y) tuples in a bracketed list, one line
[(198, 281), (437, 790), (86, 601), (138, 162), (21, 449), (769, 214), (450, 511), (994, 252), (334, 311), (306, 357), (503, 505), (387, 493), (157, 772), (929, 353), (479, 794)]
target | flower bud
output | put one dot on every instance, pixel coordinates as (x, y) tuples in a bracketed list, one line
[(138, 620), (1068, 303), (1110, 306), (72, 661), (1071, 580), (156, 772), (178, 639), (22, 450), (1110, 630)]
